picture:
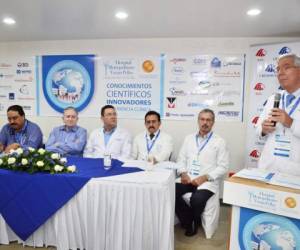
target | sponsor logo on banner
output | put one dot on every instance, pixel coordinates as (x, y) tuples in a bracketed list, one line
[(119, 68), (6, 76), (290, 202), (24, 89), (148, 66), (27, 71), (229, 113), (255, 154), (27, 79), (177, 92), (11, 96), (215, 63), (270, 68), (199, 61), (270, 71), (177, 60), (198, 75), (5, 65), (197, 105), (284, 50), (229, 103), (259, 86), (177, 70), (255, 119), (171, 102), (69, 79), (27, 108), (227, 73), (227, 64), (261, 53), (22, 64)]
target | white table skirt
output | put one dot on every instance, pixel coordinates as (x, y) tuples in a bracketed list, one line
[(126, 212)]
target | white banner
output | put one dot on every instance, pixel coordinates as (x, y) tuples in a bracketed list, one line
[(204, 81), (264, 83), (18, 84)]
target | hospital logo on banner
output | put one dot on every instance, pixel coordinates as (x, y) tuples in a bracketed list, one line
[(68, 80), (254, 154), (254, 120)]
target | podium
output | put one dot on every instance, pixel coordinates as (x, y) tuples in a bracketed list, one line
[(263, 216)]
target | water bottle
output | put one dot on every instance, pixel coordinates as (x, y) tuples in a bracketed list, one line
[(107, 161)]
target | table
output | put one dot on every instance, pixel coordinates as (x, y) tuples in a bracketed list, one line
[(130, 212), (264, 216)]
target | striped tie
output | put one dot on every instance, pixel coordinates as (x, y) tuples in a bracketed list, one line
[(289, 99)]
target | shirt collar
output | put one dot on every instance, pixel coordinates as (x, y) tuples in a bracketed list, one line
[(109, 132), (295, 93), (148, 134), (205, 136), (64, 128)]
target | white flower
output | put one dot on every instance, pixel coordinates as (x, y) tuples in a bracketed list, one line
[(24, 161), (31, 149), (41, 151), (11, 160), (40, 163), (55, 156), (1, 161), (58, 168), (71, 168), (63, 160), (19, 151)]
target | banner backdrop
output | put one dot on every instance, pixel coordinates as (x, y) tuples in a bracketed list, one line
[(264, 83), (132, 84), (204, 81), (18, 84)]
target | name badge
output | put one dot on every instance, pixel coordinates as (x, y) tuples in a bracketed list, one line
[(195, 168), (282, 145)]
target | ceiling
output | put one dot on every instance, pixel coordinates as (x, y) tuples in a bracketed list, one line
[(94, 19)]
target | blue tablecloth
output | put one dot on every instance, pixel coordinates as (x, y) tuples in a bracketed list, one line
[(28, 200)]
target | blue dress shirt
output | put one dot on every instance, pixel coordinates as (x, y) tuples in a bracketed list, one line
[(29, 136), (67, 142)]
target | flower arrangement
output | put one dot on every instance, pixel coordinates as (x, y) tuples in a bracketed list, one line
[(35, 160)]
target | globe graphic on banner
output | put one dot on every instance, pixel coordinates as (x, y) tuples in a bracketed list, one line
[(271, 232), (68, 84)]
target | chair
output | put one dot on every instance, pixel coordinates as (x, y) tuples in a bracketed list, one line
[(210, 215)]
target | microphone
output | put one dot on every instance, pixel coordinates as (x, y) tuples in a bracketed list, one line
[(276, 103)]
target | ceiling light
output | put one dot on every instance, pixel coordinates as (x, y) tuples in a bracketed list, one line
[(253, 12), (9, 20), (121, 15)]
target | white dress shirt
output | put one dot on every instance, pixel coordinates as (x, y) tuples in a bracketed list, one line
[(268, 160), (212, 160), (162, 146), (118, 146)]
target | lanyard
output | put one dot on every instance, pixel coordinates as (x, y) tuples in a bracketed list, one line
[(21, 137), (294, 106), (201, 147), (149, 143)]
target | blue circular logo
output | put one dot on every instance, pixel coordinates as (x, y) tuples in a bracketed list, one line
[(268, 231), (68, 84)]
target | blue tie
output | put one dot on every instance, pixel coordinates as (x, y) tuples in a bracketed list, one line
[(289, 99)]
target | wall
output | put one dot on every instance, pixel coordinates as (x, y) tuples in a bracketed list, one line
[(233, 132)]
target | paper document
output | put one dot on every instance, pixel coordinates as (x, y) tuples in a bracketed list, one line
[(254, 174), (286, 180)]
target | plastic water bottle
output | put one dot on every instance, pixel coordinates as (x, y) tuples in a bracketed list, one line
[(107, 161)]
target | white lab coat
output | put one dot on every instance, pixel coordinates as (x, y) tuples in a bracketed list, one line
[(161, 149), (118, 146)]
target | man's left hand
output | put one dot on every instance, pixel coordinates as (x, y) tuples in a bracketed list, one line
[(279, 115), (13, 146), (199, 180)]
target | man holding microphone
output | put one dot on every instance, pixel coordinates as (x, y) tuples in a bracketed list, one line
[(280, 124)]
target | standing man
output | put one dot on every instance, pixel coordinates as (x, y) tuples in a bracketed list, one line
[(19, 132), (109, 139), (153, 145), (281, 126), (203, 161), (68, 139)]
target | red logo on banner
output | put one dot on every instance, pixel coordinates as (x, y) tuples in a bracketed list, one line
[(261, 53), (255, 153), (259, 86), (255, 119)]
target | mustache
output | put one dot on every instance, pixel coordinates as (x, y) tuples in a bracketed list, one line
[(151, 127), (204, 126)]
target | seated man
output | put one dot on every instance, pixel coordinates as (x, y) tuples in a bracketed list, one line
[(153, 145), (19, 132), (204, 160), (110, 139), (68, 139)]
